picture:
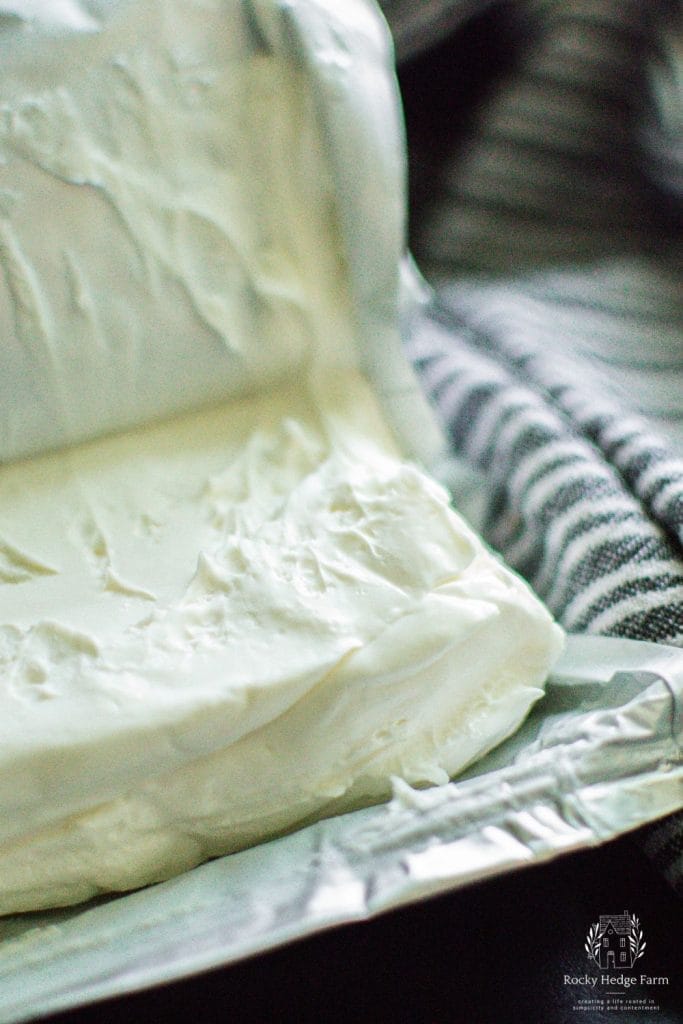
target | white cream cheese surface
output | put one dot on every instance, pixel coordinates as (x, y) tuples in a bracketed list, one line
[(218, 626), (227, 602), (171, 232)]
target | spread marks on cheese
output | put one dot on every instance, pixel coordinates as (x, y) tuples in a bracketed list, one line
[(245, 615), (227, 602)]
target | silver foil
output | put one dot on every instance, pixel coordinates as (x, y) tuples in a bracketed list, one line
[(598, 756)]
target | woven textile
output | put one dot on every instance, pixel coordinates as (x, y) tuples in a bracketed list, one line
[(549, 225)]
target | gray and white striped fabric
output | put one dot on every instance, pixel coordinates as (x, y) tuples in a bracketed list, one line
[(553, 348)]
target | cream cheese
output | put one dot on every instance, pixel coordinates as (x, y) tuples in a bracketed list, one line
[(219, 626), (227, 602), (168, 231)]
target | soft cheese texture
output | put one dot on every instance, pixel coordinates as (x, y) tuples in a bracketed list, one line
[(227, 603), (198, 198), (218, 626)]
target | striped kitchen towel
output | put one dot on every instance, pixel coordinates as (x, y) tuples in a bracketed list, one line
[(547, 217)]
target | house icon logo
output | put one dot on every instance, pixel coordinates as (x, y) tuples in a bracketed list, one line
[(616, 940)]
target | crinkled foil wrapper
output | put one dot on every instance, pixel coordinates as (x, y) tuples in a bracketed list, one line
[(598, 756)]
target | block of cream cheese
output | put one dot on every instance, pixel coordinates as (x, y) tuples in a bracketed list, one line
[(219, 626), (228, 603)]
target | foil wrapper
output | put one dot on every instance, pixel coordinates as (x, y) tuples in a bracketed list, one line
[(598, 756)]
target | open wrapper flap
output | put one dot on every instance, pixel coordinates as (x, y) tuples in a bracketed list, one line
[(598, 756)]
